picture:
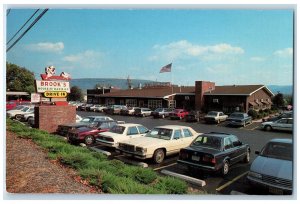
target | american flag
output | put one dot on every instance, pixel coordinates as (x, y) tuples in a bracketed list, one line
[(166, 68)]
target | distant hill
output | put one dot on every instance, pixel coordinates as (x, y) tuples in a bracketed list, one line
[(282, 89), (89, 83)]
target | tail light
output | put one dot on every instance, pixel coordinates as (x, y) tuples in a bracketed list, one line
[(183, 154), (209, 158)]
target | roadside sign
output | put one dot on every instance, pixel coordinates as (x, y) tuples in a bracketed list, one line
[(35, 98), (56, 94), (52, 86)]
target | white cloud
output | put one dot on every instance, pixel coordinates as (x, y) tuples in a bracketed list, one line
[(287, 52), (86, 59), (184, 49), (46, 47), (257, 59)]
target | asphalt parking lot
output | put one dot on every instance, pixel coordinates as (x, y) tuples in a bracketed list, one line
[(234, 182)]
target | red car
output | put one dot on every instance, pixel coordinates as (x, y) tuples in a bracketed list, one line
[(89, 134), (14, 103), (178, 114)]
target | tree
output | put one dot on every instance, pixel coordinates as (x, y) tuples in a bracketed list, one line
[(19, 78), (75, 94), (278, 100)]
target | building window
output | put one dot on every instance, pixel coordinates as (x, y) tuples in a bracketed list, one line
[(261, 100), (153, 104), (122, 102), (215, 100), (172, 104), (109, 101), (131, 102)]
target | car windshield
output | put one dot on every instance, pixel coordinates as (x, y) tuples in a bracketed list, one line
[(208, 142), (278, 151), (159, 110), (160, 133), (83, 129), (237, 115), (212, 113), (25, 109), (117, 129), (18, 107)]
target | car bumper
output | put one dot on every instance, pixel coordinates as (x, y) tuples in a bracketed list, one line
[(275, 189), (198, 166), (106, 143), (135, 155), (236, 123)]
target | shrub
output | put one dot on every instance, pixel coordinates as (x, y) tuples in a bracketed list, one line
[(252, 113), (145, 176), (171, 185), (76, 160)]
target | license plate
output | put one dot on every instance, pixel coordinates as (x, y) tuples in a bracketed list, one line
[(275, 191), (195, 158)]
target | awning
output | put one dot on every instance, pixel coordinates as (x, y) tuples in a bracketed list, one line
[(259, 103), (252, 103), (266, 102)]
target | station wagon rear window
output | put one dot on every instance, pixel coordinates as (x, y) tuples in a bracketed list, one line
[(208, 142)]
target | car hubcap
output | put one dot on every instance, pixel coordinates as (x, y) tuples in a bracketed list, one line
[(225, 168), (89, 140), (159, 157)]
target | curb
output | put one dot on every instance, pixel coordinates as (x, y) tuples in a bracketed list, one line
[(189, 179)]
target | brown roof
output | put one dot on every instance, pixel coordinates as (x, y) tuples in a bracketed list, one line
[(237, 90), (151, 92)]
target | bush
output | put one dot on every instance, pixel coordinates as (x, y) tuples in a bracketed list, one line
[(171, 185), (252, 113), (113, 176)]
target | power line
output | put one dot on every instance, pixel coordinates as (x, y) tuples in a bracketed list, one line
[(23, 26), (31, 25)]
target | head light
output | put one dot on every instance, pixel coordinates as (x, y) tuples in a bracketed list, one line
[(141, 150)]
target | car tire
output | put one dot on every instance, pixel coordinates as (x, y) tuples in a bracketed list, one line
[(244, 124), (247, 157), (267, 128), (88, 140), (225, 168), (29, 118), (18, 117), (158, 156)]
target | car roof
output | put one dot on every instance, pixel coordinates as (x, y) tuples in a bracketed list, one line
[(172, 126), (282, 140), (129, 124), (218, 134)]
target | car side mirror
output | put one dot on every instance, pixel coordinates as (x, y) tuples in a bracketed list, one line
[(257, 152)]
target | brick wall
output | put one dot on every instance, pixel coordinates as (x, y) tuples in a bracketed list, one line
[(48, 117), (200, 88)]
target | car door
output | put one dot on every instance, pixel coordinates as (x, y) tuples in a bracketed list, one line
[(188, 137), (230, 151), (176, 142), (132, 132), (238, 148), (279, 124)]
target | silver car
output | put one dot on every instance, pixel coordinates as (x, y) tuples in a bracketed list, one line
[(273, 168), (281, 124)]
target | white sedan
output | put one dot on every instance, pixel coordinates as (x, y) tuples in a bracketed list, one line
[(281, 124), (159, 142), (14, 112), (120, 133)]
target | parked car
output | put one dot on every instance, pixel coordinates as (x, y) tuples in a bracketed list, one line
[(91, 119), (281, 124), (120, 133), (100, 108), (159, 142), (178, 114), (239, 119), (215, 152), (78, 118), (94, 108), (88, 134), (162, 112), (65, 128), (17, 112), (272, 169), (287, 114), (193, 116), (87, 107), (143, 112), (123, 111), (26, 116), (131, 110), (114, 109), (215, 116)]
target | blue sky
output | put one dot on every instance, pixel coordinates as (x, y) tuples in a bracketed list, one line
[(224, 46)]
